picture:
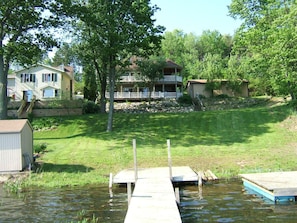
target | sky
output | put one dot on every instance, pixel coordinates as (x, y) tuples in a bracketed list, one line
[(195, 16)]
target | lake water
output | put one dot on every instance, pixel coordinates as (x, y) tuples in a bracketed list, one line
[(225, 201)]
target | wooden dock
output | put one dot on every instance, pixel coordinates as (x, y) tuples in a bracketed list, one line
[(276, 186), (153, 198), (179, 174)]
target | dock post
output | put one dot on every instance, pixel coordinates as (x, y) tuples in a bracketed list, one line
[(110, 185), (135, 161), (129, 192), (177, 197), (200, 186), (169, 159)]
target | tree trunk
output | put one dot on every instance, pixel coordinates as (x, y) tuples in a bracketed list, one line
[(3, 89), (102, 82), (102, 95), (291, 90), (111, 93)]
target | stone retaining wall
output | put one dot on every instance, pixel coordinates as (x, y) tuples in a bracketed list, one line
[(49, 112)]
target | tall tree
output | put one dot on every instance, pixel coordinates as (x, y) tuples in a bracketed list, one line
[(123, 28), (268, 37), (151, 70), (173, 46), (23, 38)]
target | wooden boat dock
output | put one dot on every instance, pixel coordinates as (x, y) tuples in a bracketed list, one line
[(179, 174), (154, 198), (276, 186)]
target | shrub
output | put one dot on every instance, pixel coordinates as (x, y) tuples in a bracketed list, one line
[(293, 104), (222, 96), (47, 123), (185, 99), (90, 107), (30, 117), (40, 148)]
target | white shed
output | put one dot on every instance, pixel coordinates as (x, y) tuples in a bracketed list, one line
[(16, 145)]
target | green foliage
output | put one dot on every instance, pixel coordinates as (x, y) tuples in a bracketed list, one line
[(82, 152), (203, 56), (41, 124), (107, 41), (185, 99), (90, 107), (268, 38), (30, 117), (151, 71), (25, 35), (90, 84), (293, 104), (40, 148), (14, 186), (222, 96), (213, 85), (82, 218)]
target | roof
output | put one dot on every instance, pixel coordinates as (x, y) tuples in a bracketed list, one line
[(171, 64), (204, 81), (13, 126), (62, 69), (11, 76), (67, 69)]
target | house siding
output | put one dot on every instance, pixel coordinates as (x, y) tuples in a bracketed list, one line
[(131, 86), (198, 87), (41, 86), (10, 152), (26, 144)]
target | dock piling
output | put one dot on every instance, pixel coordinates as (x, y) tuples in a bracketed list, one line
[(129, 192), (169, 159), (110, 185), (135, 160)]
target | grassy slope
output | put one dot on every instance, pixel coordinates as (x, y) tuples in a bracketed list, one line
[(80, 151)]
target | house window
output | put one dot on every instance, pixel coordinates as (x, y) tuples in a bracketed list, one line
[(49, 77), (48, 93), (26, 78)]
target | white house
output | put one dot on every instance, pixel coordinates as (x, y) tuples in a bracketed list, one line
[(42, 82)]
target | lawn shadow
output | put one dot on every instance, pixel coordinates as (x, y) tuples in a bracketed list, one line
[(224, 127), (62, 168)]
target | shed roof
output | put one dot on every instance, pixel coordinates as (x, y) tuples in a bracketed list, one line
[(204, 81), (12, 126)]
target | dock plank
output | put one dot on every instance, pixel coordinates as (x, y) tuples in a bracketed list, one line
[(153, 200), (179, 174)]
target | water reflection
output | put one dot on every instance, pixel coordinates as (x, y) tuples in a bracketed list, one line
[(227, 201), (63, 204)]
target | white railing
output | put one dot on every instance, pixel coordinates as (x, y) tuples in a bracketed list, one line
[(144, 95), (167, 78)]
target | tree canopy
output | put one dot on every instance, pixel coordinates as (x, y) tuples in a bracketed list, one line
[(112, 31), (267, 42), (25, 34)]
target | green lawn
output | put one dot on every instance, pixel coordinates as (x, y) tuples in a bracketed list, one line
[(80, 151)]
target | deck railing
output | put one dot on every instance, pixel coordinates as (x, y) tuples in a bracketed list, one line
[(166, 78)]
